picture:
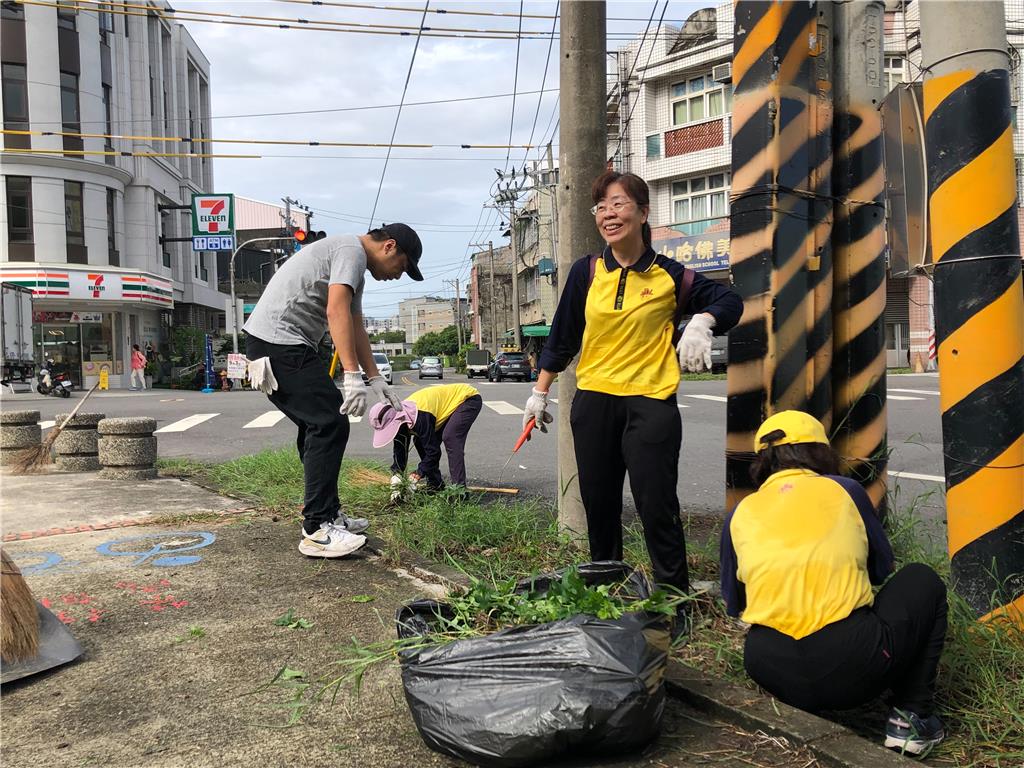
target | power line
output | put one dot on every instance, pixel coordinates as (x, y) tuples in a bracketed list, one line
[(398, 117), (544, 78), (515, 88), (632, 107), (639, 48)]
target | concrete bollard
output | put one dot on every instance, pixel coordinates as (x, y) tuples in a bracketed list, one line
[(19, 431), (76, 445), (127, 448)]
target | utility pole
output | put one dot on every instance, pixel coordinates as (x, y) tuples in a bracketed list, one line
[(552, 186), (582, 150), (493, 299), (780, 223), (517, 328), (979, 302), (858, 240), (458, 309)]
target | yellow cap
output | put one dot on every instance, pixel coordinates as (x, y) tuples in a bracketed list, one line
[(799, 427)]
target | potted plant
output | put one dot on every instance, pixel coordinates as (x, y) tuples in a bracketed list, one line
[(149, 371)]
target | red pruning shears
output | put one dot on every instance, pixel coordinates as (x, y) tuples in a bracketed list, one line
[(519, 444)]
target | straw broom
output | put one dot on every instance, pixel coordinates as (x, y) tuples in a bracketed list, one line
[(19, 618), (35, 459)]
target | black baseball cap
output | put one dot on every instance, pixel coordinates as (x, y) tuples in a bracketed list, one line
[(409, 244)]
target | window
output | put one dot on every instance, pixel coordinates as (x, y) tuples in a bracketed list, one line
[(894, 72), (12, 11), (204, 274), (74, 218), (654, 147), (15, 93), (19, 209), (69, 101), (106, 22), (700, 199), (66, 15), (112, 254), (699, 98)]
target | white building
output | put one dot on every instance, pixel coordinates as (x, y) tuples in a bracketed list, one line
[(427, 314), (86, 230)]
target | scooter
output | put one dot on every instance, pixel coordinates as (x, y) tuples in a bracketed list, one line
[(48, 382)]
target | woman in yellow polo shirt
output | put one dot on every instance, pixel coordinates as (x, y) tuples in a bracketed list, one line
[(431, 417), (798, 559), (621, 311)]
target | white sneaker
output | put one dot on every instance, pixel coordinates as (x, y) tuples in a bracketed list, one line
[(330, 540)]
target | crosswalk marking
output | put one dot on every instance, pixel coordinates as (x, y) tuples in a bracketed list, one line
[(554, 400), (716, 398), (268, 419), (902, 397), (354, 419), (682, 406), (915, 391), (503, 408), (46, 424), (187, 423), (915, 476)]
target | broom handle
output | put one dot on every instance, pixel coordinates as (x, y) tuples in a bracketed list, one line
[(81, 402)]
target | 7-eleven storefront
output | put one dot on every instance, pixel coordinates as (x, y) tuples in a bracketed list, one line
[(86, 319)]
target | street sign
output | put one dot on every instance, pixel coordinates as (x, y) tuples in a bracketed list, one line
[(213, 215), (213, 242)]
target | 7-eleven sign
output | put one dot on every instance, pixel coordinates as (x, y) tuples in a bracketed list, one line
[(213, 215)]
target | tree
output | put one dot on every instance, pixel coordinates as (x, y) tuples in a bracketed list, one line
[(437, 343), (389, 337)]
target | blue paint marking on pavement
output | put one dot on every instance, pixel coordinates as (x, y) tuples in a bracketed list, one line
[(47, 561), (173, 541)]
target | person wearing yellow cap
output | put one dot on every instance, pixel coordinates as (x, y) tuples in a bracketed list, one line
[(799, 558)]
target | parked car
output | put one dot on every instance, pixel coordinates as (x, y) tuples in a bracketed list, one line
[(719, 354), (509, 365), (431, 366), (414, 365), (383, 365), (477, 362)]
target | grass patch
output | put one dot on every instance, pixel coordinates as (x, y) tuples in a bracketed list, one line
[(981, 678), (704, 377)]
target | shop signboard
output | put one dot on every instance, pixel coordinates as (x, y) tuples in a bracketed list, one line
[(706, 252), (96, 285), (213, 215)]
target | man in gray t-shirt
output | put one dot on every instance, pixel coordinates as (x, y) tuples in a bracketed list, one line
[(320, 290)]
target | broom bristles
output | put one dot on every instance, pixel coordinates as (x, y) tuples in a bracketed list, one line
[(36, 459), (19, 617)]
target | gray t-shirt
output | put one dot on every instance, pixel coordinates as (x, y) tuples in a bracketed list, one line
[(293, 307)]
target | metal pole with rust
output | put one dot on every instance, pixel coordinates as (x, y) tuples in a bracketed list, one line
[(858, 245), (979, 300)]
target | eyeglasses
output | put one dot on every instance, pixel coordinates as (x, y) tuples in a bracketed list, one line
[(615, 206)]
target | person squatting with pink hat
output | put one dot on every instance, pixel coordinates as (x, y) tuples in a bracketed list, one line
[(430, 417)]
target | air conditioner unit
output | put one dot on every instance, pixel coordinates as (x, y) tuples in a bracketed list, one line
[(722, 73)]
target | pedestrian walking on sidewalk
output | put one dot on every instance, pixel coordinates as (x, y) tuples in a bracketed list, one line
[(621, 312), (138, 375), (320, 290), (798, 560), (429, 417)]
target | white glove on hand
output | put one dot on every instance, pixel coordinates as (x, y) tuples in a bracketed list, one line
[(396, 488), (537, 409), (355, 394), (261, 375), (694, 347), (385, 393)]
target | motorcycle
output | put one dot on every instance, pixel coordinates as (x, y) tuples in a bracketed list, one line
[(49, 382)]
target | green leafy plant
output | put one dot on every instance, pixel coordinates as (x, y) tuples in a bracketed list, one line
[(290, 620), (362, 599), (194, 633)]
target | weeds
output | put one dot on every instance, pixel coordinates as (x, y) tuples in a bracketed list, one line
[(194, 633), (290, 620)]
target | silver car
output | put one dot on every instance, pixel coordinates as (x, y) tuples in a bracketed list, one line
[(431, 366)]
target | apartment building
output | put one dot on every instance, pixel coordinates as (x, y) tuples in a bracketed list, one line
[(428, 314), (490, 296), (85, 221)]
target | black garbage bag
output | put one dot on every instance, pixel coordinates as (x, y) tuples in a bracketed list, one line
[(527, 694)]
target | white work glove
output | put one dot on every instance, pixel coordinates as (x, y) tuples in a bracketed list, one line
[(396, 488), (537, 409), (261, 375), (355, 394), (694, 347), (386, 394)]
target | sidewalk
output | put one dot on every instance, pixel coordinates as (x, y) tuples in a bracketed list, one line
[(177, 622)]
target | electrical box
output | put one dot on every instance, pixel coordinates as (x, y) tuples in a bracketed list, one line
[(545, 267)]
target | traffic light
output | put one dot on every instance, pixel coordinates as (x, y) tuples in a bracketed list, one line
[(304, 237)]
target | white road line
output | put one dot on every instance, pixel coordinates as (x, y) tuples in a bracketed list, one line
[(901, 397), (187, 423), (682, 406), (46, 424), (915, 476), (915, 391), (716, 398), (553, 400), (268, 419), (503, 408)]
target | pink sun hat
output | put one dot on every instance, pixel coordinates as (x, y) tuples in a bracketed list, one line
[(386, 421)]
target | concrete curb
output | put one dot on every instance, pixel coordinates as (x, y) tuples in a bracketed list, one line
[(833, 744)]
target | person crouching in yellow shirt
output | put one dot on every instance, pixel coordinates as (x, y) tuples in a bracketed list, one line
[(430, 417), (798, 559)]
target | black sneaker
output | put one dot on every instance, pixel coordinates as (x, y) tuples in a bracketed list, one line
[(912, 733)]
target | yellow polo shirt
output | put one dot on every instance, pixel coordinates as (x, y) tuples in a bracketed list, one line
[(442, 401)]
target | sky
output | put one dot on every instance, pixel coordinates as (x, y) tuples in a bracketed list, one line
[(440, 190)]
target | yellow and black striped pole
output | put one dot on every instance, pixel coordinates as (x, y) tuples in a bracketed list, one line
[(858, 240), (781, 218), (979, 299)]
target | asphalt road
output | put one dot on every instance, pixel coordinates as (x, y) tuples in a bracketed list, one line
[(220, 426)]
